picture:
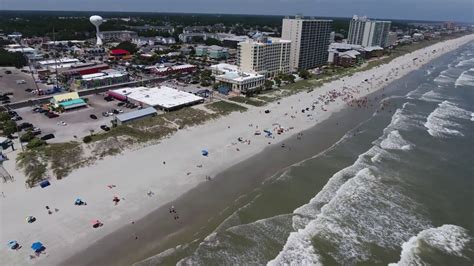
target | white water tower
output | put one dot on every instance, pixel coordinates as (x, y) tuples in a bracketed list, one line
[(97, 20)]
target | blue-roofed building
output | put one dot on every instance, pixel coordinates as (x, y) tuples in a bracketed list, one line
[(135, 115)]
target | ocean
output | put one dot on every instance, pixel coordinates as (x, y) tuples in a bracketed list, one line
[(398, 189)]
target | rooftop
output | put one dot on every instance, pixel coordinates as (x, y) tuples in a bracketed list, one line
[(162, 96), (136, 114)]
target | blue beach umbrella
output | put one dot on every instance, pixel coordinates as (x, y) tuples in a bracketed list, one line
[(37, 246), (204, 152)]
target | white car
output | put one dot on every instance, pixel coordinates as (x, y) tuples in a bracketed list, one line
[(62, 123)]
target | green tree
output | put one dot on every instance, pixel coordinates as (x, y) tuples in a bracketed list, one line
[(268, 84), (304, 74), (27, 136), (4, 117), (288, 78), (212, 41), (16, 59), (35, 142), (278, 81), (9, 127)]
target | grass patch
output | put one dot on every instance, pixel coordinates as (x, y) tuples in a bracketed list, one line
[(187, 117), (60, 158), (225, 108), (64, 157), (247, 100), (32, 165)]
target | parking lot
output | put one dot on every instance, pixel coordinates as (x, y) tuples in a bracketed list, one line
[(8, 83), (77, 122)]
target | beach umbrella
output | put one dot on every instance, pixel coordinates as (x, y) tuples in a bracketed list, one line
[(78, 201), (37, 246), (13, 244), (204, 152), (30, 219)]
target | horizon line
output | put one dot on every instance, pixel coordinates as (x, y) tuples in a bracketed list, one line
[(204, 13)]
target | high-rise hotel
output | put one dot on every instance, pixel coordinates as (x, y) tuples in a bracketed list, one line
[(266, 56), (366, 32), (309, 41)]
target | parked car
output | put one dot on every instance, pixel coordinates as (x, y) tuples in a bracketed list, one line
[(25, 125), (121, 104), (108, 98), (17, 118), (51, 115), (115, 111), (105, 114), (47, 137), (105, 128), (8, 72), (36, 131), (12, 113), (93, 116)]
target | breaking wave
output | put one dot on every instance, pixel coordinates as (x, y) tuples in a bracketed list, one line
[(395, 141), (448, 240), (440, 122), (465, 79), (468, 62), (364, 211)]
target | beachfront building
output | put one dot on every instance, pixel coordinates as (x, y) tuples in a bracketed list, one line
[(310, 40), (121, 119), (163, 97), (392, 39), (366, 32), (102, 78), (344, 54), (213, 52), (68, 101), (266, 56), (230, 78)]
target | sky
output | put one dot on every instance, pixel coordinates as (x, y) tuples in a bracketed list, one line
[(436, 10)]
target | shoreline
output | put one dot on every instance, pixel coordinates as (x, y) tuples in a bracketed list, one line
[(181, 153)]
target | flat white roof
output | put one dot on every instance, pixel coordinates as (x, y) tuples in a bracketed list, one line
[(58, 61), (240, 77), (162, 96), (225, 67), (103, 75)]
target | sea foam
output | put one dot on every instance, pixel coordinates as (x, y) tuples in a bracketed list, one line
[(440, 122), (446, 239), (465, 79), (395, 141)]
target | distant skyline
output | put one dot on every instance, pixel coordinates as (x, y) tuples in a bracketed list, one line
[(435, 10)]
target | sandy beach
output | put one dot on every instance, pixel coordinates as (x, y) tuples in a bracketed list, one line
[(147, 179)]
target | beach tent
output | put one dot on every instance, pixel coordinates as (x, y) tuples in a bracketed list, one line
[(37, 247), (44, 183), (30, 219), (13, 244), (78, 202), (204, 152), (96, 223)]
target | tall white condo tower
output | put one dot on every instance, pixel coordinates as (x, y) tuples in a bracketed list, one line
[(97, 20)]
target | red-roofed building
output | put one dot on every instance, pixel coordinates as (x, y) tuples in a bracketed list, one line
[(119, 54)]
